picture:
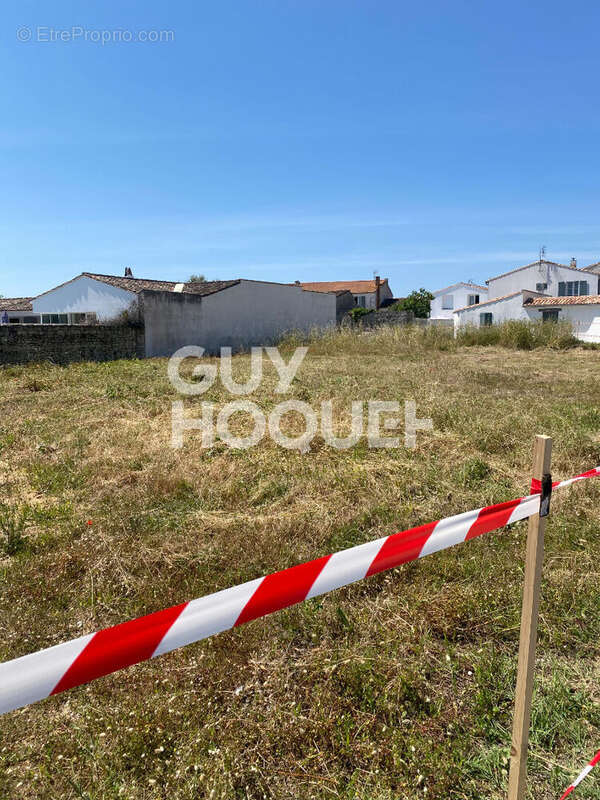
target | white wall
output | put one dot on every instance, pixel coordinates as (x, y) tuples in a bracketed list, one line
[(585, 321), (501, 310), (85, 294), (594, 280), (536, 273), (250, 313), (460, 295)]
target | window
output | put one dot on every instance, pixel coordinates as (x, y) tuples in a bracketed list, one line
[(541, 287), (473, 300), (448, 302), (360, 300), (486, 318), (30, 320), (550, 316), (55, 319), (573, 288)]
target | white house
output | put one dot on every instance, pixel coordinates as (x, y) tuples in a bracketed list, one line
[(446, 300), (543, 290), (213, 314), (547, 277), (105, 297), (582, 312)]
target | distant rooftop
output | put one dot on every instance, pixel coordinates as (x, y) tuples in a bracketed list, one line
[(583, 300), (469, 284), (356, 287), (132, 284), (591, 268), (16, 304), (136, 285)]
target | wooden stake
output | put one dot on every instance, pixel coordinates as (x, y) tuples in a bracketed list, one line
[(542, 454)]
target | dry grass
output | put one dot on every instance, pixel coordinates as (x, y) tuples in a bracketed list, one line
[(398, 687)]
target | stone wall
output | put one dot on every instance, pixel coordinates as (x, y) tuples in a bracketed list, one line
[(376, 319), (63, 344)]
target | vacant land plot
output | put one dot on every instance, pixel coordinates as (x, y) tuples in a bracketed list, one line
[(398, 687)]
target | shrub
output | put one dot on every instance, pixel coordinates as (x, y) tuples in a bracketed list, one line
[(520, 335), (358, 312), (419, 302)]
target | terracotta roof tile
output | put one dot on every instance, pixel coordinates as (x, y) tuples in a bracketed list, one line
[(584, 300), (140, 284), (356, 287), (16, 304)]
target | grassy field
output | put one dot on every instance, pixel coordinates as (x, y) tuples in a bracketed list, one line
[(398, 687)]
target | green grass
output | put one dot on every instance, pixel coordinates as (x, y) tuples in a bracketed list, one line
[(395, 688)]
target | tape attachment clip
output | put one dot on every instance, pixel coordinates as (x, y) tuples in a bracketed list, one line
[(546, 495)]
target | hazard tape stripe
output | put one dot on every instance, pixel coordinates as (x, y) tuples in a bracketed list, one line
[(583, 774), (36, 676)]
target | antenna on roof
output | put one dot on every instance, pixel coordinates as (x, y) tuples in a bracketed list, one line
[(542, 253)]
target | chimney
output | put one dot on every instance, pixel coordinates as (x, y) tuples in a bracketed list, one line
[(128, 272), (574, 263), (377, 291)]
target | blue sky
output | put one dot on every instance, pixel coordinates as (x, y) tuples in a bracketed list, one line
[(308, 140)]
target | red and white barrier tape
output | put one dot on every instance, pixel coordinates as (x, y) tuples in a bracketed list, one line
[(583, 774), (34, 677)]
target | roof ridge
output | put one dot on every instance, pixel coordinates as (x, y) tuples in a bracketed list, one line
[(532, 264)]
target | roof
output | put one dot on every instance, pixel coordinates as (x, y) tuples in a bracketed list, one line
[(356, 287), (592, 267), (461, 283), (16, 304), (140, 284), (137, 285), (584, 300), (488, 302), (533, 264)]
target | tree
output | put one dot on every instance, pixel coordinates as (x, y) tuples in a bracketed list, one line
[(419, 302), (197, 279)]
